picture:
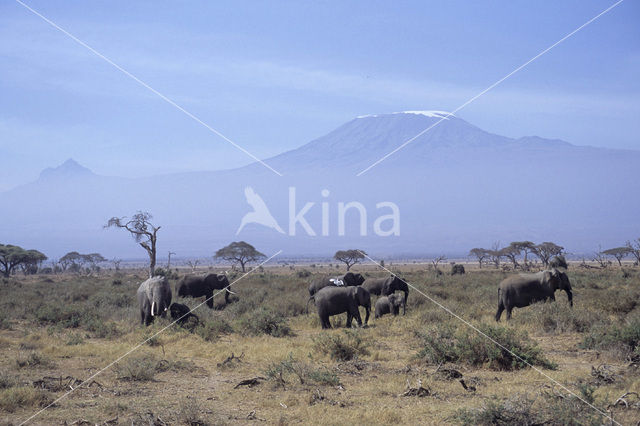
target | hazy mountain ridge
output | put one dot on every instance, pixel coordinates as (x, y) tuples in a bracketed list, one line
[(456, 186)]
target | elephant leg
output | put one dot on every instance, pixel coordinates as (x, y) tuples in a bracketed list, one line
[(148, 319), (356, 315), (209, 297), (552, 297), (509, 309), (499, 311)]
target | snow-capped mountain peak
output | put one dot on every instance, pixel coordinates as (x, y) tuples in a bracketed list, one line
[(430, 114)]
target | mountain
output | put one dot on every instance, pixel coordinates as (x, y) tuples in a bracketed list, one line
[(454, 187)]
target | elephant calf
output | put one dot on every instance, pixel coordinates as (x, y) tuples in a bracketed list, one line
[(181, 313), (518, 291), (387, 286), (388, 305), (337, 300), (154, 298)]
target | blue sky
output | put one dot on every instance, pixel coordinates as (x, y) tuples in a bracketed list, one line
[(275, 75)]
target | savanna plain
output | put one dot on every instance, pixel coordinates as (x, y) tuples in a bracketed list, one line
[(263, 359)]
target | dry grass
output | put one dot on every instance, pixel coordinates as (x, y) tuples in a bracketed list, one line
[(56, 332)]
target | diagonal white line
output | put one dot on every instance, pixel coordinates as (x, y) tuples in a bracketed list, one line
[(407, 142), (145, 85), (87, 381), (494, 341)]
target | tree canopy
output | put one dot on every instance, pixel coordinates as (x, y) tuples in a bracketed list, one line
[(12, 257), (618, 252), (350, 257), (239, 252)]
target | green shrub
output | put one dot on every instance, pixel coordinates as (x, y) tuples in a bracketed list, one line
[(75, 339), (305, 373), (340, 348), (212, 329), (623, 339), (303, 273), (559, 318), (264, 321), (444, 343), (6, 381), (14, 398), (139, 369), (523, 410), (33, 359)]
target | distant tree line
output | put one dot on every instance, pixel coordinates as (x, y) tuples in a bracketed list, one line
[(518, 253)]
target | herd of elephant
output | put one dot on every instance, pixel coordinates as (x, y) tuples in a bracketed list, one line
[(345, 294)]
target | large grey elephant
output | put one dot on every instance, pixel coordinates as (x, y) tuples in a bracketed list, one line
[(336, 300), (348, 279), (388, 305), (154, 298), (518, 291), (388, 286), (198, 286)]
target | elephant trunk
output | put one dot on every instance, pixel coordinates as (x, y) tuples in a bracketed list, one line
[(570, 297), (366, 317), (310, 299)]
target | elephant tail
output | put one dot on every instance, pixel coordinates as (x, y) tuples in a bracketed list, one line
[(310, 299)]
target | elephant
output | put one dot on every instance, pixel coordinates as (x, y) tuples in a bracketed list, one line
[(386, 287), (154, 297), (197, 286), (518, 291), (388, 305), (333, 300), (181, 313), (348, 279)]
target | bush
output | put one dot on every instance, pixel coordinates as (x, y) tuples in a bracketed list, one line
[(444, 343), (342, 349), (623, 339), (559, 318), (211, 330), (264, 321), (33, 359), (522, 410), (303, 273), (305, 373), (14, 398), (138, 369)]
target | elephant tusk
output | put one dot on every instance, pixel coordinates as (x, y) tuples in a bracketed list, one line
[(153, 304), (232, 292)]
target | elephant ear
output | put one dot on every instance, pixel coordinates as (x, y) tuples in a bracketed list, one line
[(349, 278)]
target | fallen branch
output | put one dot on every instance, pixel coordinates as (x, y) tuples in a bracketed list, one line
[(250, 382)]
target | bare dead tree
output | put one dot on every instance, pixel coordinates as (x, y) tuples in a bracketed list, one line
[(143, 231), (634, 249), (116, 263), (169, 261), (193, 264), (436, 261)]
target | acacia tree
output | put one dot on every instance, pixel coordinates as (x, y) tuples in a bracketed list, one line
[(546, 250), (634, 249), (143, 231), (239, 252), (618, 252), (525, 247), (480, 254), (511, 252), (13, 256), (349, 257)]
